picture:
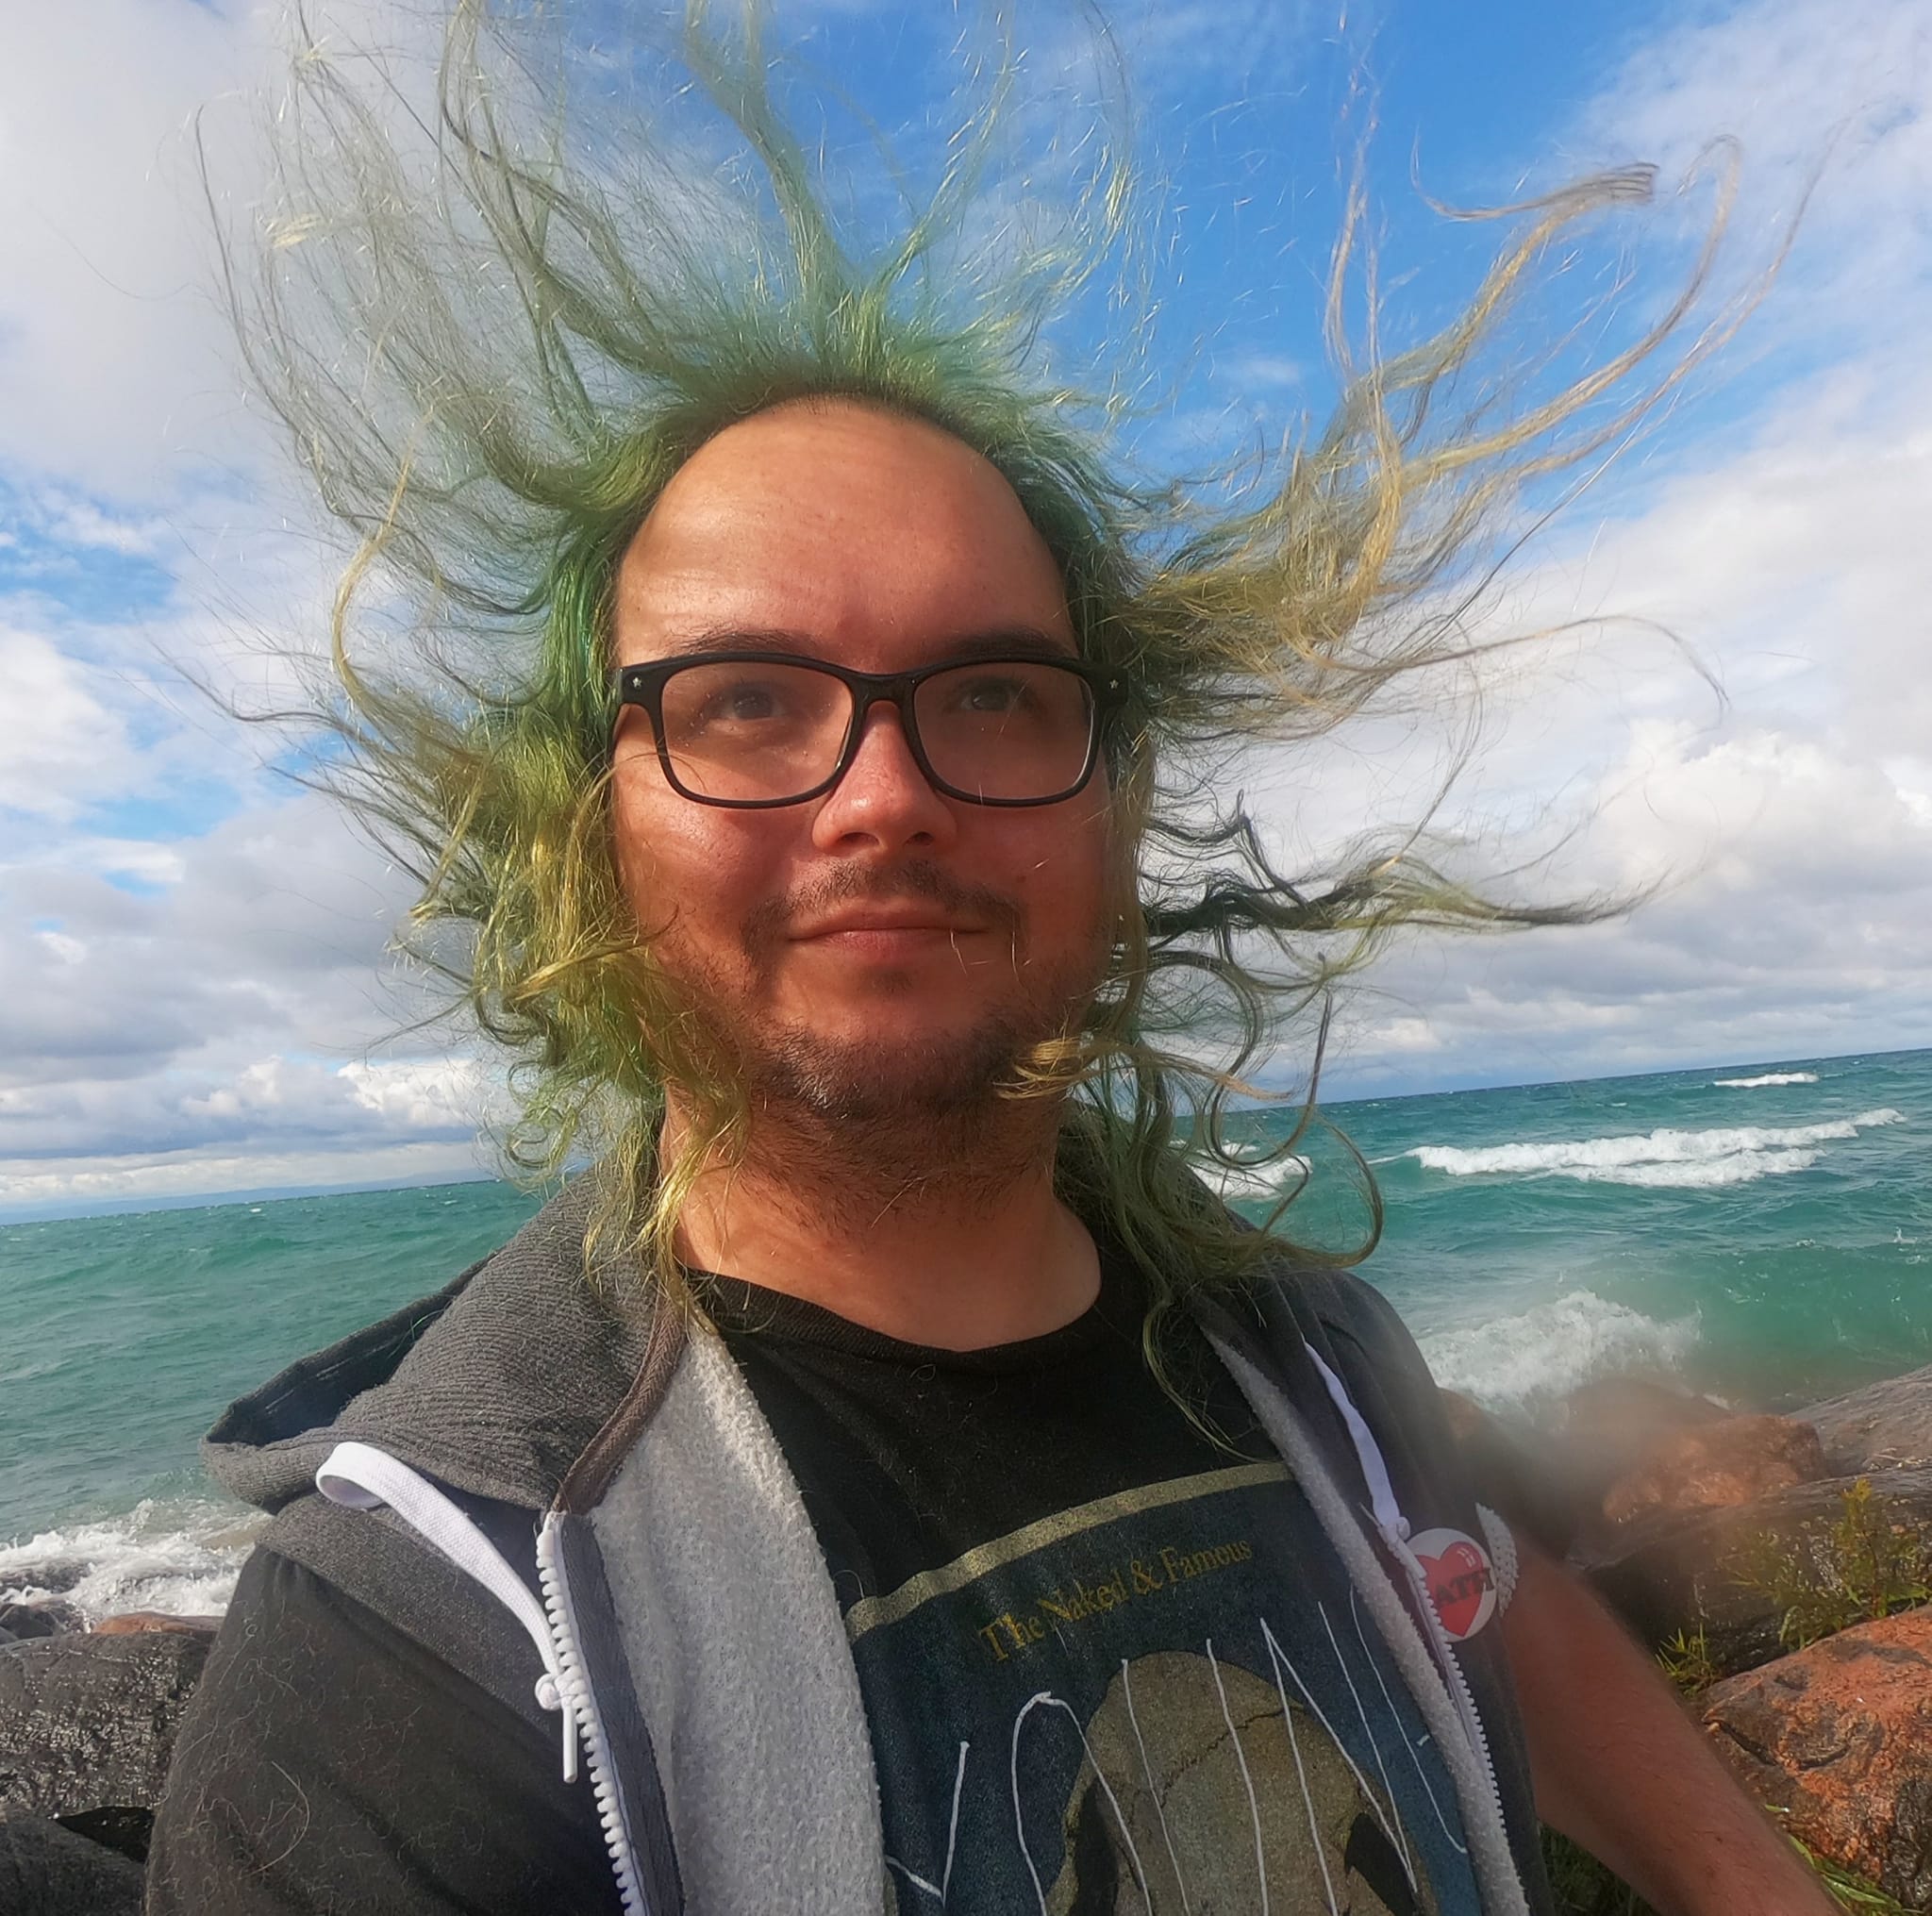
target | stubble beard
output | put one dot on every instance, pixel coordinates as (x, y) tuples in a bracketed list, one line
[(943, 1120)]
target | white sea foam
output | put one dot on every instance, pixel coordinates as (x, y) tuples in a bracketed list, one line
[(1524, 1364), (1252, 1184), (181, 1556), (1751, 1084), (1732, 1154)]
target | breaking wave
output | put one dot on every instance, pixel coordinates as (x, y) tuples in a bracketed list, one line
[(1250, 1184), (181, 1556), (1738, 1154), (1524, 1365), (1751, 1084)]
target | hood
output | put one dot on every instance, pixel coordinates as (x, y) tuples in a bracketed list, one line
[(493, 1385)]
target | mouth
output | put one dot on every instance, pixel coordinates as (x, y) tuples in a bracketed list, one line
[(885, 931)]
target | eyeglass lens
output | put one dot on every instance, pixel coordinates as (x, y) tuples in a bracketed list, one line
[(1009, 729)]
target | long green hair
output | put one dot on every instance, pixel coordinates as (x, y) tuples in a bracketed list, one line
[(495, 334)]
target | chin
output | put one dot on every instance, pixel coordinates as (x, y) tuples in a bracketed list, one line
[(892, 1073)]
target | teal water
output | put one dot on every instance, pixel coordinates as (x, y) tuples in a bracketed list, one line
[(1771, 1240)]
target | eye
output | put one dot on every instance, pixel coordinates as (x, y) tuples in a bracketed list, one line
[(990, 694), (741, 702), (747, 702)]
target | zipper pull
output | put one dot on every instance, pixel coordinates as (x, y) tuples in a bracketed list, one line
[(549, 1696)]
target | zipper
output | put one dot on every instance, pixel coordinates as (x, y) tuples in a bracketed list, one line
[(1456, 1683), (581, 1717), (1393, 1528)]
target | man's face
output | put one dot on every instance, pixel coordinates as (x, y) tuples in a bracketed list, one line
[(880, 949)]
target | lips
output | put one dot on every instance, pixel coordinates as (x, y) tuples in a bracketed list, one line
[(881, 924)]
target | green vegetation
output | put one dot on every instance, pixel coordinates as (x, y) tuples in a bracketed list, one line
[(1685, 1660), (1584, 1887), (1866, 1566), (1852, 1893)]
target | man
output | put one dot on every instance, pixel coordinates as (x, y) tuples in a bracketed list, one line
[(930, 1526)]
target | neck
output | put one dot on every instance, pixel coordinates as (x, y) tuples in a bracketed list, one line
[(957, 1242)]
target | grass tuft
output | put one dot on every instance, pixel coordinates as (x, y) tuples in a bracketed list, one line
[(1868, 1565)]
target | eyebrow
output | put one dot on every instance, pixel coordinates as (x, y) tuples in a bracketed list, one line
[(1004, 641)]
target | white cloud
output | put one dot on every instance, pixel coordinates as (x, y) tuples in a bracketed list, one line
[(60, 744)]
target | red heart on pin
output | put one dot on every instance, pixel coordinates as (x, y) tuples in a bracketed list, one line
[(1459, 1578)]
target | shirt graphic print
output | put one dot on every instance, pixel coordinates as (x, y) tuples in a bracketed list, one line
[(1148, 1704)]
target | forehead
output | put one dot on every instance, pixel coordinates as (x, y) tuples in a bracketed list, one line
[(839, 529)]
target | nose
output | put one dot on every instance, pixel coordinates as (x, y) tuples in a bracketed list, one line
[(883, 799)]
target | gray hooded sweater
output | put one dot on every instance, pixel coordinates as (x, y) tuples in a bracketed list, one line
[(717, 1716)]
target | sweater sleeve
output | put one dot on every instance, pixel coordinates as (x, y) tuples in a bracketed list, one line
[(330, 1763)]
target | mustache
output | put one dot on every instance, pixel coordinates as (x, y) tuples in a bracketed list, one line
[(919, 879)]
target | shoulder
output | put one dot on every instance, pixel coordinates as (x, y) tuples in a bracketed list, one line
[(331, 1759), (1445, 1445), (1350, 1325)]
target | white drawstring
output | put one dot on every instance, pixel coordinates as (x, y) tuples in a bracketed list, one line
[(361, 1477)]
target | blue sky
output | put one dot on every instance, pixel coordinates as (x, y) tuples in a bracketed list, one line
[(193, 995)]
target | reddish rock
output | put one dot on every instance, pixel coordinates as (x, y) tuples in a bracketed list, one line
[(1616, 1418), (133, 1623), (1839, 1738), (1713, 1466)]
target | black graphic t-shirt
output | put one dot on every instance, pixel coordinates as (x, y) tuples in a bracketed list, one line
[(1109, 1663)]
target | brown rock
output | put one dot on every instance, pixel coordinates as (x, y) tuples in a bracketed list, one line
[(1712, 1466), (1839, 1737), (132, 1623), (1605, 1429), (1617, 1418), (1669, 1575), (1883, 1426)]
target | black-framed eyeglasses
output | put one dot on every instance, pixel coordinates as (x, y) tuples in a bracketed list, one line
[(752, 729)]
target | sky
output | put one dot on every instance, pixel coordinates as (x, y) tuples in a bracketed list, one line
[(195, 995)]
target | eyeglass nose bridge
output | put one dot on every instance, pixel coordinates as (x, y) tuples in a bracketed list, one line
[(899, 691)]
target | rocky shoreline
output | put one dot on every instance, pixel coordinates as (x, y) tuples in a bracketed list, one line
[(87, 1727), (1781, 1568), (1781, 1565)]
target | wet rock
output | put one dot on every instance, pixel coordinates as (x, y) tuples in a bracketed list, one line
[(56, 1576), (1839, 1738), (88, 1723), (1667, 1575), (45, 1618), (1710, 1465), (48, 1871), (1883, 1426), (133, 1623), (126, 1828)]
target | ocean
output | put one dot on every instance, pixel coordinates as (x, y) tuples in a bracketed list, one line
[(1763, 1231)]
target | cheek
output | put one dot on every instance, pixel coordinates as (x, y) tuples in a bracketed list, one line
[(1063, 879), (682, 865)]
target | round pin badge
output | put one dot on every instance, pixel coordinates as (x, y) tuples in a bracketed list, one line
[(1460, 1578)]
